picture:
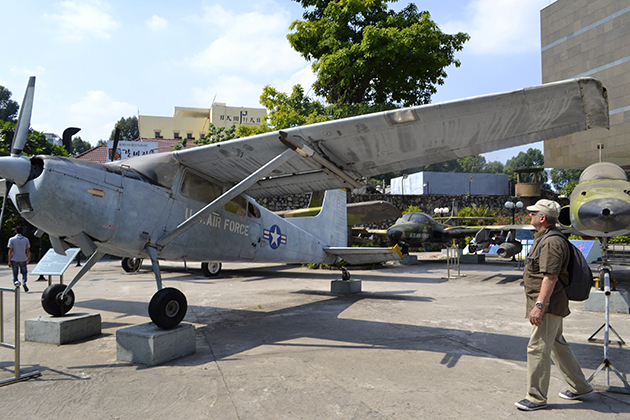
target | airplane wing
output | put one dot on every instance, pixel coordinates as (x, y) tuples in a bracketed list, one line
[(338, 154), (358, 213)]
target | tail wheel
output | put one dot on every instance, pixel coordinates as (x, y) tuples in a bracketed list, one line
[(131, 265), (167, 308), (52, 302), (210, 269)]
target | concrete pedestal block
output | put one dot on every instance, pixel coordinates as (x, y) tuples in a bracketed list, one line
[(410, 260), (149, 345), (62, 329), (472, 259), (345, 286), (596, 302)]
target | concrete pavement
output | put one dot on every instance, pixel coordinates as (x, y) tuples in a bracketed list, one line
[(273, 343)]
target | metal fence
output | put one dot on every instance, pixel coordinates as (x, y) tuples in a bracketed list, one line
[(619, 254), (16, 343)]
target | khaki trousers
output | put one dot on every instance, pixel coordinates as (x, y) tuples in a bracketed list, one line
[(546, 344)]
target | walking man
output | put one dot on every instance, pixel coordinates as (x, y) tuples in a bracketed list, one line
[(545, 275), (19, 256)]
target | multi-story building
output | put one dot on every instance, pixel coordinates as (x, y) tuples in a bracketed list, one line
[(590, 38), (193, 123)]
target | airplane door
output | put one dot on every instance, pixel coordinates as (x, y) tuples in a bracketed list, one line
[(251, 246), (254, 232)]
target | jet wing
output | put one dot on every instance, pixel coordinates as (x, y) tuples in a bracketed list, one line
[(338, 154)]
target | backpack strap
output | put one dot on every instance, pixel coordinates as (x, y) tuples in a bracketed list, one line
[(553, 232)]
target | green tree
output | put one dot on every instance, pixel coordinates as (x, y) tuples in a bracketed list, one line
[(494, 167), (128, 129), (533, 158), (364, 53), (79, 145), (565, 180), (473, 164), (8, 107)]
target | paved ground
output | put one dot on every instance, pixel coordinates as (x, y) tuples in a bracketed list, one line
[(272, 343)]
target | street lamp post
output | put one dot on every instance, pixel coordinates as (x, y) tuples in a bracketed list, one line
[(513, 206)]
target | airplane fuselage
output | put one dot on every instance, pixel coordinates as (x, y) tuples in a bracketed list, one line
[(122, 211)]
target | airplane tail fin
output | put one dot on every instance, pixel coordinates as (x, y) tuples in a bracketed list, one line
[(331, 224)]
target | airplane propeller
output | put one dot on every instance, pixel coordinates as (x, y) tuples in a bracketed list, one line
[(16, 169)]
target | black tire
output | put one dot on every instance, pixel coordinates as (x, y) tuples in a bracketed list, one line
[(131, 265), (167, 308), (210, 269), (51, 300)]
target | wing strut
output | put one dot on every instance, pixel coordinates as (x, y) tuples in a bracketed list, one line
[(227, 196), (327, 166)]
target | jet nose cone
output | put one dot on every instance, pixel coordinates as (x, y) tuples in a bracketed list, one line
[(605, 214), (15, 169), (394, 235)]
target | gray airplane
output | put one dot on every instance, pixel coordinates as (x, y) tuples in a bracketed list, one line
[(199, 204)]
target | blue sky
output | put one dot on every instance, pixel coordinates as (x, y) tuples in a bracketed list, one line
[(97, 61)]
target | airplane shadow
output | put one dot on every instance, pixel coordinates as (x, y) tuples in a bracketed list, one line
[(227, 333)]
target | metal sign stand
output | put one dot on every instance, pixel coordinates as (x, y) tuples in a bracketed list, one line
[(604, 273), (453, 260), (16, 347)]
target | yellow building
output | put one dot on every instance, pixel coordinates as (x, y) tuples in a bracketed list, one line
[(193, 123), (590, 38)]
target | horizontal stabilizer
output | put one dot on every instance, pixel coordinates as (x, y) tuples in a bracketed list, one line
[(367, 255)]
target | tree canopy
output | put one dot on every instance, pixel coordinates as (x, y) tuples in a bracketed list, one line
[(128, 129), (363, 53), (79, 145), (8, 107)]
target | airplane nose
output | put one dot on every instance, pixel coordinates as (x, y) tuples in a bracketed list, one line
[(15, 169), (605, 214), (394, 235)]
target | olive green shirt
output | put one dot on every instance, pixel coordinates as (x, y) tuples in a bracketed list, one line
[(554, 259)]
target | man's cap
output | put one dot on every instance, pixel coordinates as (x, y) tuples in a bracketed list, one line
[(546, 207)]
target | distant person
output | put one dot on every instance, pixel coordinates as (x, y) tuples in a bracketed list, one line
[(547, 305), (19, 256)]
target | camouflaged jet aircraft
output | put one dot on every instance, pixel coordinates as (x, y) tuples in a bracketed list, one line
[(199, 204), (600, 203)]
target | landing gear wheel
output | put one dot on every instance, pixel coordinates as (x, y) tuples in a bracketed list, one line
[(167, 308), (52, 302), (131, 265), (210, 269)]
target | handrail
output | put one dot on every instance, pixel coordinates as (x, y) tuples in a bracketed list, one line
[(16, 346)]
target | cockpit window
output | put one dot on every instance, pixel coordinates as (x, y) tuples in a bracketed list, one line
[(237, 205), (199, 188), (419, 218), (603, 170)]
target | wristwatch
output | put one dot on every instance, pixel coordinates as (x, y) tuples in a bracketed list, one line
[(539, 305)]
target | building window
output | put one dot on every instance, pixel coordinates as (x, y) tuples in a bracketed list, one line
[(158, 134), (177, 136), (189, 136)]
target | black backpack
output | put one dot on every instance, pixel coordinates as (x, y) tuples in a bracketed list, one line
[(580, 274)]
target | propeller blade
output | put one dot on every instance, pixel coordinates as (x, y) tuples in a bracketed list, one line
[(24, 119), (6, 185), (116, 140)]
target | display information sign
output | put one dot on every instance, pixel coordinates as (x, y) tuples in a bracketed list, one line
[(54, 264)]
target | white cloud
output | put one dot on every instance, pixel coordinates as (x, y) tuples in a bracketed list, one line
[(499, 27), (97, 114), (251, 42), (82, 18), (157, 23)]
